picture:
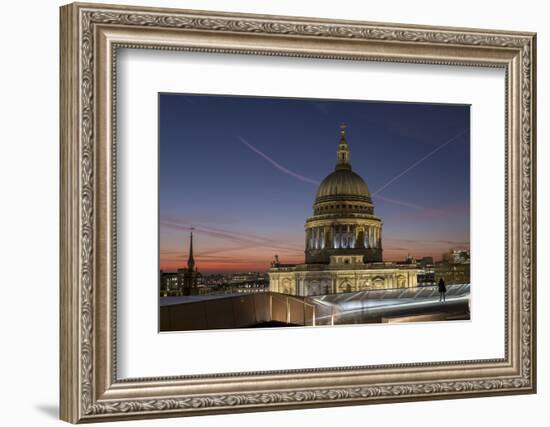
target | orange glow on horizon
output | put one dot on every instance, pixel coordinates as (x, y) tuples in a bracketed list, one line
[(261, 263)]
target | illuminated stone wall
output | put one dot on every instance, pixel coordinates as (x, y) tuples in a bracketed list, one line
[(343, 274)]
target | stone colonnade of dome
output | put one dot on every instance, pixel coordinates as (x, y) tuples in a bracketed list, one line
[(344, 236)]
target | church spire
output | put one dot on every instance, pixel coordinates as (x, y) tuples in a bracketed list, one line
[(191, 260), (343, 150)]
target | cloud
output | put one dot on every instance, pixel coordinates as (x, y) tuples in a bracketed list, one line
[(228, 235), (419, 242), (445, 212), (395, 248), (204, 218), (398, 202), (213, 263)]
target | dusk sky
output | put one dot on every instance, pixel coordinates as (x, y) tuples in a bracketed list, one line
[(243, 172)]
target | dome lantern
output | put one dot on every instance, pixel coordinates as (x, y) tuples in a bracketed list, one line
[(343, 150), (343, 182)]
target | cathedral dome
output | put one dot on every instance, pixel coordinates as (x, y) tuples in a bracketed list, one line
[(343, 184), (343, 221)]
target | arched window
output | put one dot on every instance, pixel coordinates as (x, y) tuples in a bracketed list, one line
[(378, 282), (401, 282)]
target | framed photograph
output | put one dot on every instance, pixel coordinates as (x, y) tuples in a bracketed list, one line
[(266, 212), (244, 267)]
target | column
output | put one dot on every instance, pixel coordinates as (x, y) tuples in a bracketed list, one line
[(316, 234), (370, 236), (315, 231), (317, 238), (345, 237), (314, 237)]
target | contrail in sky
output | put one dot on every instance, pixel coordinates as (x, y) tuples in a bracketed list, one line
[(399, 202), (235, 237), (415, 164), (277, 165), (315, 182)]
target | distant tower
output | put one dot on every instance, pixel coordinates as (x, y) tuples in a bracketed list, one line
[(187, 277), (191, 260)]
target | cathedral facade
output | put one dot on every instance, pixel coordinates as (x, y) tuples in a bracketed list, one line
[(343, 241)]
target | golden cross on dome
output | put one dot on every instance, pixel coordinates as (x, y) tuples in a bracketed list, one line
[(343, 127)]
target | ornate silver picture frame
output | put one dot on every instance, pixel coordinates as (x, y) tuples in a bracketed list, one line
[(91, 35)]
